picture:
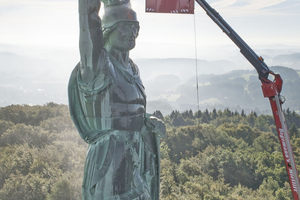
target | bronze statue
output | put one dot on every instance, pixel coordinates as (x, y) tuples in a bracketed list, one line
[(108, 106)]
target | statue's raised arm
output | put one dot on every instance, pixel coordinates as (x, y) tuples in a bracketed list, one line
[(90, 39)]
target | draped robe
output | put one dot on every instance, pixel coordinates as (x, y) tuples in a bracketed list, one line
[(109, 113)]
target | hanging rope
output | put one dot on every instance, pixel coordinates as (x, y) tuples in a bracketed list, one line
[(197, 82), (196, 61)]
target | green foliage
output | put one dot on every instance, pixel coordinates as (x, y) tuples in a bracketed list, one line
[(67, 187), (42, 155), (5, 125), (60, 191), (229, 156), (20, 133), (32, 115), (294, 132), (291, 118), (217, 155), (27, 187)]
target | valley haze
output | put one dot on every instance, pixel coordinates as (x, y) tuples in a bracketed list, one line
[(229, 81)]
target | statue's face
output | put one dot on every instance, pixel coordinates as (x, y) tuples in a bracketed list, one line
[(124, 35)]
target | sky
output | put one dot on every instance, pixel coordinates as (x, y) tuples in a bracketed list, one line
[(33, 27)]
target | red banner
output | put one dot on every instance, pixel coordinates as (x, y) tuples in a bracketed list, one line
[(170, 6)]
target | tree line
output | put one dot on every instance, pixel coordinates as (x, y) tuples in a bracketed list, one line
[(208, 155)]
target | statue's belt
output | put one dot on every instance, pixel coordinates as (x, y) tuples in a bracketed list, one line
[(128, 123)]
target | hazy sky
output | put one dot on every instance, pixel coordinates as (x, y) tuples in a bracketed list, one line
[(54, 24)]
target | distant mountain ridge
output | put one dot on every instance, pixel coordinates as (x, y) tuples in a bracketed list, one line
[(236, 90), (170, 83)]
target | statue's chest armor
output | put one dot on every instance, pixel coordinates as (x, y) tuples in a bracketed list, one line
[(121, 106), (126, 99)]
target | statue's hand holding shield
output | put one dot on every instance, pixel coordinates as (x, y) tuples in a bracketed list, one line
[(156, 125)]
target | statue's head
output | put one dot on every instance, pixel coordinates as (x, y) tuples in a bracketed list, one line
[(120, 25)]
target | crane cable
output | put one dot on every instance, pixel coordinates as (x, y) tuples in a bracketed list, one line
[(197, 84), (196, 61)]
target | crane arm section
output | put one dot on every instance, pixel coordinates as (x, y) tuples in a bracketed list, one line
[(257, 61)]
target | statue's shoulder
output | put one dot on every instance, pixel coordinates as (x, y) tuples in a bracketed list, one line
[(102, 73)]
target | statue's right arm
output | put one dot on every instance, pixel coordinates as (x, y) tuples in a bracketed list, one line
[(90, 39)]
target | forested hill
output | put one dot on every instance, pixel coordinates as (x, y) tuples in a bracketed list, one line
[(217, 155)]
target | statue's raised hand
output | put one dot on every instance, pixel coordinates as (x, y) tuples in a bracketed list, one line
[(89, 6)]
